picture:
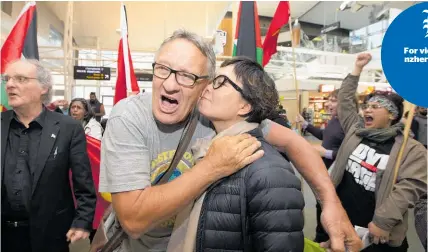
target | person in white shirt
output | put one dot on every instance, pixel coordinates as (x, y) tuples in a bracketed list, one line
[(80, 110)]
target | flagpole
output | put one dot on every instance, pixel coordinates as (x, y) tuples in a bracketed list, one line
[(296, 86), (406, 134)]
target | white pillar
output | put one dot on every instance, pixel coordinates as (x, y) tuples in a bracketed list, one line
[(68, 53)]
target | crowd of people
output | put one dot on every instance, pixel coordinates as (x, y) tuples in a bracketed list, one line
[(234, 188)]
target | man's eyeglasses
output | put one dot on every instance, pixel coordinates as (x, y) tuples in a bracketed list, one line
[(182, 78), (18, 78), (372, 106), (221, 80)]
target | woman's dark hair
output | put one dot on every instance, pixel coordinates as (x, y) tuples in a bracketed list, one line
[(394, 98), (258, 88), (89, 114)]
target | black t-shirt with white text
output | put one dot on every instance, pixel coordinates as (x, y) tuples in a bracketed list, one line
[(357, 188)]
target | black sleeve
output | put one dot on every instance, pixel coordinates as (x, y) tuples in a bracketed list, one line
[(275, 209), (414, 127), (83, 184), (280, 120), (318, 133)]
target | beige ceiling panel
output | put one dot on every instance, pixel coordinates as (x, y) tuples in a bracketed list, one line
[(148, 22)]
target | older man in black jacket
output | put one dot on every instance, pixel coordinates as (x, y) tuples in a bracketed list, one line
[(38, 149)]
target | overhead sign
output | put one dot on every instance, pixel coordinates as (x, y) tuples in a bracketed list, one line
[(144, 76), (91, 73), (330, 28), (326, 88)]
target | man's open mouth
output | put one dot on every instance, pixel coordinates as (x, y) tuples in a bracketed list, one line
[(168, 104)]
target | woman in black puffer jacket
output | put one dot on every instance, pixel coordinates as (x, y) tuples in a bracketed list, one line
[(260, 207)]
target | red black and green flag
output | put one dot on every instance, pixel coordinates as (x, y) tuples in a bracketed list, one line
[(247, 36), (21, 42)]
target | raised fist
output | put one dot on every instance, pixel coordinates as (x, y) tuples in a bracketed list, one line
[(363, 59)]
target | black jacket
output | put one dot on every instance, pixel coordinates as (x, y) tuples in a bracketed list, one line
[(332, 137), (52, 210), (256, 209)]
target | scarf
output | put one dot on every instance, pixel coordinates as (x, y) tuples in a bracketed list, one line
[(379, 135), (183, 237)]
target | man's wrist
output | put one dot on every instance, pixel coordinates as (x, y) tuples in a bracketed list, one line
[(328, 197), (205, 170)]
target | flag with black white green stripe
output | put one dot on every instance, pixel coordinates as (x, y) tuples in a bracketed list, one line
[(247, 36), (21, 42)]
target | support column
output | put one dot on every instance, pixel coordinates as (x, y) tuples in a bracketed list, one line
[(99, 64), (68, 53)]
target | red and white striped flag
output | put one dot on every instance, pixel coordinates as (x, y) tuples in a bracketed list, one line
[(126, 80)]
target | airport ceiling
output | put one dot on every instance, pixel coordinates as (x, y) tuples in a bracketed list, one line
[(150, 22)]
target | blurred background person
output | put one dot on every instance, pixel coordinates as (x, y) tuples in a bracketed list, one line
[(81, 110), (97, 106), (421, 128)]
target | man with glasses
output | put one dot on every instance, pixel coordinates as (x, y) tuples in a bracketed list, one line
[(38, 148), (144, 131)]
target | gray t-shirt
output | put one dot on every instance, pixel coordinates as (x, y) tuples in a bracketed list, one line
[(136, 149)]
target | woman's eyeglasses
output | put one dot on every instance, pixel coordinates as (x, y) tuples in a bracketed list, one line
[(372, 106), (221, 80)]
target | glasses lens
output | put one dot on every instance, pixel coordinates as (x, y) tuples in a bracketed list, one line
[(218, 81), (21, 79), (161, 71), (5, 78), (185, 79)]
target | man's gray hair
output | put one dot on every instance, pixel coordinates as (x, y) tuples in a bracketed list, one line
[(44, 76), (203, 46)]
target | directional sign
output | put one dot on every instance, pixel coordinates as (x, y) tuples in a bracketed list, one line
[(330, 28), (91, 73), (144, 76)]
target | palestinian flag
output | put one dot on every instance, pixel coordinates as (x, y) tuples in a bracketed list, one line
[(21, 41), (247, 36)]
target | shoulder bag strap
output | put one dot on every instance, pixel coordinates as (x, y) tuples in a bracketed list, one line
[(185, 138)]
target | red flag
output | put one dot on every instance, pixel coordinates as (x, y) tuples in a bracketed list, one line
[(126, 80), (281, 17), (94, 149), (22, 40)]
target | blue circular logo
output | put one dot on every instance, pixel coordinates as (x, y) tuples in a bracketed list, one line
[(405, 54)]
